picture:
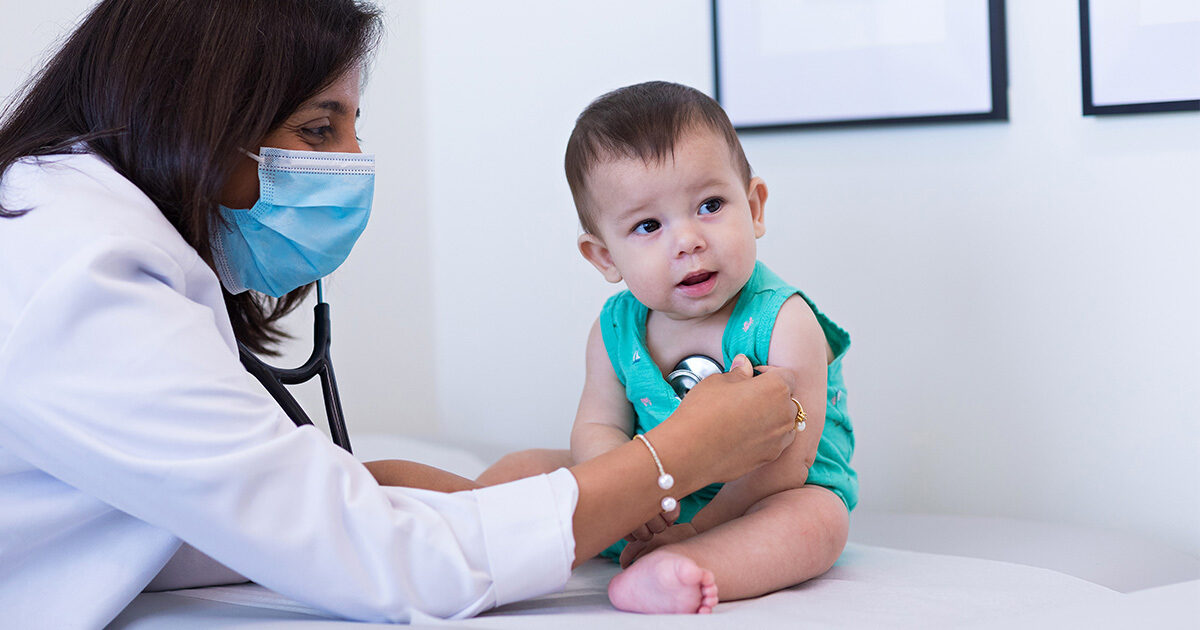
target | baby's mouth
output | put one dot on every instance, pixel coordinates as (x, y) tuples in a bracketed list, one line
[(697, 278)]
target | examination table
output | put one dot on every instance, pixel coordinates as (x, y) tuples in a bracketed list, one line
[(898, 571)]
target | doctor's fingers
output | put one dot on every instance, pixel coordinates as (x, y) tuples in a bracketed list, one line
[(774, 412), (657, 524), (789, 376), (663, 520)]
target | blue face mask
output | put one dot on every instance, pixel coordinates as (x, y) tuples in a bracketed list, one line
[(312, 207)]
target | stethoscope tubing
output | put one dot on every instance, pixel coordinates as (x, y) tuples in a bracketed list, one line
[(319, 363)]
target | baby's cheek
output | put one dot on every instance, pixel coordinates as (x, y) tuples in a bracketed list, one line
[(644, 289)]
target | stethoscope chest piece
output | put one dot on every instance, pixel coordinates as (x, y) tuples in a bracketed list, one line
[(692, 370)]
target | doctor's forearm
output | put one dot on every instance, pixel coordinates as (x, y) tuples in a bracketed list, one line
[(618, 492)]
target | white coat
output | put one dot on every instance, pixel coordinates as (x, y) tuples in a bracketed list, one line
[(128, 425)]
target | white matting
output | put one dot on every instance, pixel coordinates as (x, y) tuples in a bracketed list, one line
[(871, 587), (900, 571)]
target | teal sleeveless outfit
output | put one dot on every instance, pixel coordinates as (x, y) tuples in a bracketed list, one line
[(748, 332)]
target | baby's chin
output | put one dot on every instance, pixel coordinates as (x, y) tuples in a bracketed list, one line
[(687, 310)]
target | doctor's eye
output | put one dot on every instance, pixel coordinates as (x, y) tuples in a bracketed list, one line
[(710, 206), (646, 227), (316, 134)]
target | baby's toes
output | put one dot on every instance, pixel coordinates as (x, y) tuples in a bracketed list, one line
[(708, 596)]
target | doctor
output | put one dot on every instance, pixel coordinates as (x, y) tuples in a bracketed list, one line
[(159, 202)]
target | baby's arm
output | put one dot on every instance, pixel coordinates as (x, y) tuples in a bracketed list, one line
[(605, 419), (397, 472), (798, 343)]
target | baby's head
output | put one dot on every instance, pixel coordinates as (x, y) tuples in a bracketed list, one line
[(666, 197)]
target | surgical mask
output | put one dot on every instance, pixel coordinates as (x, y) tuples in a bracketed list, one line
[(312, 207)]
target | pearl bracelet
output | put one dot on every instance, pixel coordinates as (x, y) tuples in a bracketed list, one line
[(665, 481)]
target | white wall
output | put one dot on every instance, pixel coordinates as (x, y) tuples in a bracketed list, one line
[(1022, 295), (29, 33)]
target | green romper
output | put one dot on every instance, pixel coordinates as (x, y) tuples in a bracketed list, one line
[(748, 332)]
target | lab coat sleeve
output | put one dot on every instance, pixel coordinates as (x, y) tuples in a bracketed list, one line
[(122, 384)]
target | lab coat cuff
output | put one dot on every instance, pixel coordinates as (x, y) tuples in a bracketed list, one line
[(527, 527)]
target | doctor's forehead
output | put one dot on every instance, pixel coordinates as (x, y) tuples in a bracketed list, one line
[(340, 97)]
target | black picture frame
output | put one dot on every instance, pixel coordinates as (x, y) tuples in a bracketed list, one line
[(998, 68), (1090, 108)]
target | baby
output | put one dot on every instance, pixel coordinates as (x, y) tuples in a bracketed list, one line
[(668, 205)]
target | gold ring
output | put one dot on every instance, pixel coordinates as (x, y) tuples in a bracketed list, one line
[(801, 419)]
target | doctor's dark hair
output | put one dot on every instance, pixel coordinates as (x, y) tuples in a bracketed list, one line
[(168, 91), (642, 121)]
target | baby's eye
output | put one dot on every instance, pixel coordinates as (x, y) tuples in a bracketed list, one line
[(646, 227), (710, 206)]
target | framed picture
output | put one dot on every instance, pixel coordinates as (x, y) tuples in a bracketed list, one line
[(1139, 55), (802, 63)]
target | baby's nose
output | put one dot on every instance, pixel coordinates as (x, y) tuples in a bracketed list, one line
[(689, 240)]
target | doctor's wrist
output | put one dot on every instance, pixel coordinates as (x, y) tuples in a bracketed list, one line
[(683, 455)]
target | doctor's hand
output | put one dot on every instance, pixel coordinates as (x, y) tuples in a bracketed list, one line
[(654, 526), (726, 426), (733, 422), (638, 548)]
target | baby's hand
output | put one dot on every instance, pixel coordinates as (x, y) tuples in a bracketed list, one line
[(654, 526), (639, 548)]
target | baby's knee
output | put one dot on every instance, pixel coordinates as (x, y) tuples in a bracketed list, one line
[(832, 523), (818, 518), (527, 463), (541, 460)]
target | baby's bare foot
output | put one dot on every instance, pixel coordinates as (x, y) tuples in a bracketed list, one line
[(664, 582)]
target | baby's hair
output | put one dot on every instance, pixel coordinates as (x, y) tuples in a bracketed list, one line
[(643, 121)]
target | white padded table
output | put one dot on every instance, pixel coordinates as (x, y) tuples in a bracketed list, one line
[(899, 571), (871, 587)]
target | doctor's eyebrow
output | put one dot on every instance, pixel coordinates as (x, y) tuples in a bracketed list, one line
[(334, 106)]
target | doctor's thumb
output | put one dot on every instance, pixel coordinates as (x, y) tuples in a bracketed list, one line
[(741, 366)]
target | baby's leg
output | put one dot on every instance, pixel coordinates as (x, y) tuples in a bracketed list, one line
[(522, 464), (781, 541)]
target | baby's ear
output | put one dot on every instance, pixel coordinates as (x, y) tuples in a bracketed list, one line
[(756, 194), (594, 250)]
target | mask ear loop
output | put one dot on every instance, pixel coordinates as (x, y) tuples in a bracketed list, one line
[(256, 158)]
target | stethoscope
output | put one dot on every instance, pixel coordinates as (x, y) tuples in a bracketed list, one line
[(689, 371), (318, 364)]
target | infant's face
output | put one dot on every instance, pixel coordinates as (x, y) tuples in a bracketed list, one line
[(681, 233)]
